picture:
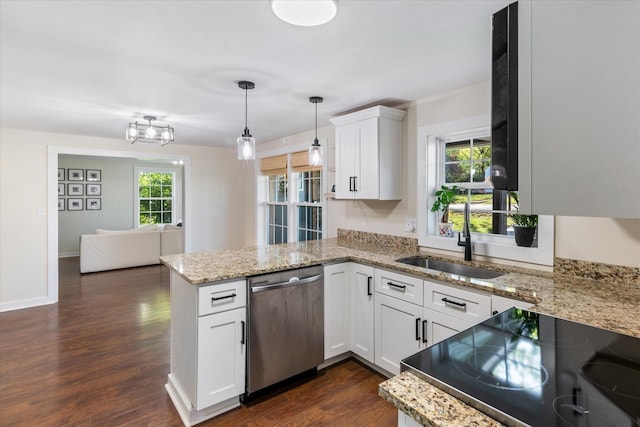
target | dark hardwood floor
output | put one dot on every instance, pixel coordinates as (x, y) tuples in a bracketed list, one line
[(100, 357)]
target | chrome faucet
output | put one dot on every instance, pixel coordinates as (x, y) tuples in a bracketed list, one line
[(467, 234)]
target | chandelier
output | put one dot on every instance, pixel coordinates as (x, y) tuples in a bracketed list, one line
[(149, 133)]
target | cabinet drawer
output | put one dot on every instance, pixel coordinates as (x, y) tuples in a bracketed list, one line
[(221, 297), (406, 288), (470, 306)]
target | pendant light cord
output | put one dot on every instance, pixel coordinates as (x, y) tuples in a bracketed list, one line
[(316, 139), (245, 108)]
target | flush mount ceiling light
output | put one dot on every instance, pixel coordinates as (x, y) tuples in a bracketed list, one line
[(305, 13), (246, 142), (149, 133), (315, 151)]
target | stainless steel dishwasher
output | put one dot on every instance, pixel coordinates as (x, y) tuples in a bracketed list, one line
[(286, 326)]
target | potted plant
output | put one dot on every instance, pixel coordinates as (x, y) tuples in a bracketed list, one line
[(524, 226), (444, 197)]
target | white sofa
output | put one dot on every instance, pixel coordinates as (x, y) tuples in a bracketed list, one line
[(109, 250)]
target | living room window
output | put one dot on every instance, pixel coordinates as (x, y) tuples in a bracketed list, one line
[(291, 208), (155, 192)]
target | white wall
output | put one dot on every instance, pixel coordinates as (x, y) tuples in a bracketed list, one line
[(607, 240), (216, 180), (117, 198)]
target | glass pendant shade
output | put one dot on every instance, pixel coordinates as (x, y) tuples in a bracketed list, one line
[(315, 154), (246, 148)]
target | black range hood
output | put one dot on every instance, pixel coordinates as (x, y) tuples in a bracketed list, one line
[(504, 99)]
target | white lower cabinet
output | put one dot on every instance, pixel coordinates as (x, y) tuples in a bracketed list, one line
[(441, 326), (337, 310), (208, 348), (221, 357), (398, 331), (362, 290)]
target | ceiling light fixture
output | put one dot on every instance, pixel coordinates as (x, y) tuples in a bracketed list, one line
[(315, 151), (149, 133), (246, 143), (307, 13)]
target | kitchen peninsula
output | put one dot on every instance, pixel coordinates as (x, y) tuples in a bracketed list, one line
[(597, 303)]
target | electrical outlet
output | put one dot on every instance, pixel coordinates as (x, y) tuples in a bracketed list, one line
[(410, 225)]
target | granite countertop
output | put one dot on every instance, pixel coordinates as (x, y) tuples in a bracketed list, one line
[(596, 303)]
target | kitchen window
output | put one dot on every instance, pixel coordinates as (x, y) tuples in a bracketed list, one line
[(465, 161), (291, 201), (309, 209), (459, 152)]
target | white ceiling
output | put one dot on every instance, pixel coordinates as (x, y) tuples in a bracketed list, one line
[(91, 67)]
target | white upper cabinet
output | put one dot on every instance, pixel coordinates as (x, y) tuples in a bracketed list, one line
[(369, 154), (579, 107)]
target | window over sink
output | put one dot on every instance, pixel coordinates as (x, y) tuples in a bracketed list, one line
[(459, 153)]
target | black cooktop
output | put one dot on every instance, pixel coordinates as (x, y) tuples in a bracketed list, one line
[(526, 368)]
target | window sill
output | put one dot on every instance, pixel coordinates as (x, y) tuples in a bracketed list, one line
[(505, 248)]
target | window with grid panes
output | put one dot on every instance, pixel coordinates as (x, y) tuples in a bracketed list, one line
[(155, 197), (309, 224), (466, 163), (277, 208)]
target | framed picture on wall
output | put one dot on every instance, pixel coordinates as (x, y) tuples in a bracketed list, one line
[(75, 204), (60, 174), (60, 189), (75, 175), (94, 175), (94, 190), (75, 189), (94, 204), (60, 204)]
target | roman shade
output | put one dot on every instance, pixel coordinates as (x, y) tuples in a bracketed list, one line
[(276, 165), (300, 162)]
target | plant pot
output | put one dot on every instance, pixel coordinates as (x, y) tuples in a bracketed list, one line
[(445, 229), (524, 235)]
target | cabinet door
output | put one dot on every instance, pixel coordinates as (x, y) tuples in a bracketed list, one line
[(579, 104), (346, 155), (398, 331), (337, 292), (441, 326), (362, 289), (368, 160), (221, 357)]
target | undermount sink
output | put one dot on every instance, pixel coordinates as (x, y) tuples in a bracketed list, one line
[(452, 268)]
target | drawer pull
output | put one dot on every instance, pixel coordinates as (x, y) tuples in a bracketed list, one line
[(214, 299), (418, 329), (393, 285), (456, 303)]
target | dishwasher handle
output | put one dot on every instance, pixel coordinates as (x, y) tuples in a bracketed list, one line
[(291, 282)]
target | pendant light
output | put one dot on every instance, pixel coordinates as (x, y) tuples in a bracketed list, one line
[(315, 151), (246, 142)]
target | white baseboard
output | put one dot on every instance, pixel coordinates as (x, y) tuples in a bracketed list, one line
[(188, 414), (68, 254), (18, 305)]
